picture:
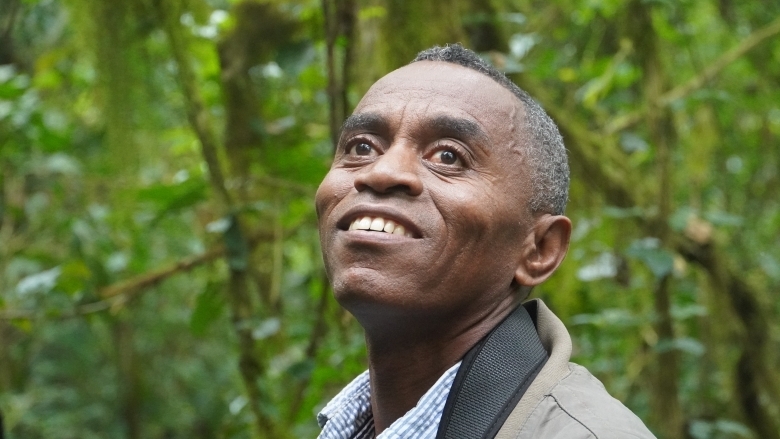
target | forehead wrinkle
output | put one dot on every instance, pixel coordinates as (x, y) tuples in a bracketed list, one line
[(382, 87), (406, 90), (459, 126), (404, 108)]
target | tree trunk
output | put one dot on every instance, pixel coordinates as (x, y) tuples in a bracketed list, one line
[(667, 413), (755, 376), (259, 27), (339, 18), (129, 378), (408, 29)]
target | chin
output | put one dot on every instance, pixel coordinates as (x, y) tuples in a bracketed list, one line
[(384, 304), (367, 293), (356, 285)]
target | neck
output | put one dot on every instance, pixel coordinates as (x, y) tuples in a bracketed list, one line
[(406, 362), (400, 377)]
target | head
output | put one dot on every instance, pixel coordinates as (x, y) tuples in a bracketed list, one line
[(543, 144), (444, 201)]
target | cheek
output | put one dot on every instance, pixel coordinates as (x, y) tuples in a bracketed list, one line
[(474, 211), (334, 187), (482, 222)]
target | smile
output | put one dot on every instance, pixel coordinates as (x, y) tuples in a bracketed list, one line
[(378, 224)]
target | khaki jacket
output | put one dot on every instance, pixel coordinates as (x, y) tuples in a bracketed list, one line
[(565, 401)]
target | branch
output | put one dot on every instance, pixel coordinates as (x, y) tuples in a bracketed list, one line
[(251, 366), (318, 331), (121, 292), (289, 185), (710, 72), (339, 23), (330, 42), (197, 114), (9, 28), (153, 278), (81, 310), (667, 414)]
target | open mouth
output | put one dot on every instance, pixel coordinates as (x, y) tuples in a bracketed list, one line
[(379, 224)]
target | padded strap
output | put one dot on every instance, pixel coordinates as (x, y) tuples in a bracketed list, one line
[(492, 378)]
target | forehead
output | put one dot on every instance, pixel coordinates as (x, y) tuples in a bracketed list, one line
[(430, 88)]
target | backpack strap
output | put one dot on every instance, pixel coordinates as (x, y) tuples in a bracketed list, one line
[(492, 378)]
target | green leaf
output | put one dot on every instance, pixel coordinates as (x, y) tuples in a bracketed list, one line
[(300, 370), (719, 218), (686, 312), (623, 212), (648, 251), (609, 317), (237, 249), (769, 265), (604, 266), (39, 282), (266, 328), (174, 197), (684, 344), (721, 428), (632, 142), (679, 219), (75, 274), (208, 308)]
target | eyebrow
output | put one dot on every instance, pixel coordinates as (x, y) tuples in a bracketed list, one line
[(443, 126), (365, 122), (460, 128)]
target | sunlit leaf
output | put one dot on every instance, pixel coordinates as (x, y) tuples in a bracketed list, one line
[(604, 266), (720, 218), (39, 282), (648, 251), (684, 344), (266, 328)]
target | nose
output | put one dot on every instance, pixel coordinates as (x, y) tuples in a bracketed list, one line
[(395, 170)]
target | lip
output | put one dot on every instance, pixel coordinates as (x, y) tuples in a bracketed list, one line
[(378, 211)]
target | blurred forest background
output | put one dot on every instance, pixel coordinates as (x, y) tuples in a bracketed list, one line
[(160, 274)]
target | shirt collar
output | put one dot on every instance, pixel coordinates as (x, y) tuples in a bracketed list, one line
[(348, 414)]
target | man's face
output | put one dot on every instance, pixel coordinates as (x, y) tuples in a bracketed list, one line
[(432, 157)]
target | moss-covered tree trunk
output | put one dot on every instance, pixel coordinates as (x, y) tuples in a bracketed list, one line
[(664, 392), (411, 26)]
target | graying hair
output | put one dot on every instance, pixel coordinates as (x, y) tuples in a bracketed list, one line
[(546, 152)]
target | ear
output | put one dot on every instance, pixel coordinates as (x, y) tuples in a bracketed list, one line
[(543, 250)]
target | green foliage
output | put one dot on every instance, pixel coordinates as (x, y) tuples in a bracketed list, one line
[(119, 255)]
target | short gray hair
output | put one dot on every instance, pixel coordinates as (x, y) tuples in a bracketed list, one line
[(547, 154)]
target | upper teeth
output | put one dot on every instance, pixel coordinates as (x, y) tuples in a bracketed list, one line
[(379, 225)]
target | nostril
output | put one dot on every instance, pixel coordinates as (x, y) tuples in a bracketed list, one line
[(384, 188), (387, 182), (395, 171)]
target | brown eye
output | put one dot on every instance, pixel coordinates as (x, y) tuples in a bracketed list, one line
[(446, 157), (362, 149)]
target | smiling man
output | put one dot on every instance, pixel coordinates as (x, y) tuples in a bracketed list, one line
[(442, 210)]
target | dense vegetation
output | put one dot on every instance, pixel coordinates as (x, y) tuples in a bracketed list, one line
[(160, 273)]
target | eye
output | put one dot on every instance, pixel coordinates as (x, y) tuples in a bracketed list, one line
[(446, 157), (361, 149)]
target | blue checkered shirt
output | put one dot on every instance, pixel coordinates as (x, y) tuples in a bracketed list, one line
[(348, 415)]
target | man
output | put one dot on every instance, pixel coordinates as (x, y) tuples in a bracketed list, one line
[(442, 209)]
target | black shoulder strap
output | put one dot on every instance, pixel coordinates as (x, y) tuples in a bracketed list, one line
[(492, 378)]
